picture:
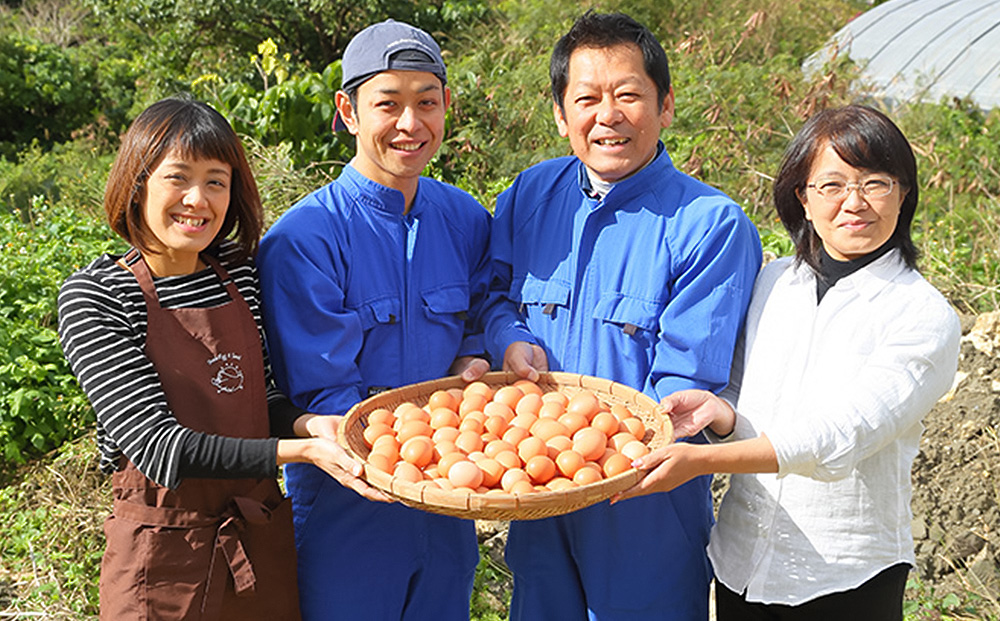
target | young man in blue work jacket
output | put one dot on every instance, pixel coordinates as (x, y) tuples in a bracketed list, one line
[(622, 267), (368, 284)]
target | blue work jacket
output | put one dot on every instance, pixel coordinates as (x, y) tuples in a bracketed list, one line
[(359, 296), (647, 286)]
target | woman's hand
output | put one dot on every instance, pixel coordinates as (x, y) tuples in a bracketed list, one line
[(675, 464), (692, 410), (666, 468), (323, 451), (526, 360)]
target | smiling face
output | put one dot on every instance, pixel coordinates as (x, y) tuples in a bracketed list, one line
[(611, 115), (184, 206), (857, 225), (399, 125)]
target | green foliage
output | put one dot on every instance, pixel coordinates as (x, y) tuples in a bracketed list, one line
[(490, 593), (41, 405), (958, 222), (923, 603), (296, 109), (45, 92)]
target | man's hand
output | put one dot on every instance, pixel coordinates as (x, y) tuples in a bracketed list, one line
[(470, 368), (526, 360)]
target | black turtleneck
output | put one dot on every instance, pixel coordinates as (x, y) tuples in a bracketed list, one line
[(831, 270)]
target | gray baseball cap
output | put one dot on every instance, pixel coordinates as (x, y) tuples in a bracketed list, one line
[(384, 46)]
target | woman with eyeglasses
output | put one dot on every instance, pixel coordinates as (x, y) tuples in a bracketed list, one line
[(845, 349)]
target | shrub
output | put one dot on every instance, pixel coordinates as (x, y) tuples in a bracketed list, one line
[(41, 404)]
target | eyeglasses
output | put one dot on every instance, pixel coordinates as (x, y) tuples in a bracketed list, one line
[(836, 190)]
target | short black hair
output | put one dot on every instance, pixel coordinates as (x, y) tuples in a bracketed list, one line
[(864, 138), (602, 31)]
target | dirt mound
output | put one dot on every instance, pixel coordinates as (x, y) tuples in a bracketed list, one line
[(956, 476)]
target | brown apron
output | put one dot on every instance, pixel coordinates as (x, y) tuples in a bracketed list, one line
[(211, 548)]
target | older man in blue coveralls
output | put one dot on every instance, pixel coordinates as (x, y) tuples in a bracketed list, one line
[(619, 266), (369, 283)]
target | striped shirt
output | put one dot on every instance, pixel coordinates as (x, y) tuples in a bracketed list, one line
[(102, 327)]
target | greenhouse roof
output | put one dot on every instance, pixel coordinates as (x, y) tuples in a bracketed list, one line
[(924, 50)]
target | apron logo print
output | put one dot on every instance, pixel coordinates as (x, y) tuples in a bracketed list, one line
[(229, 377)]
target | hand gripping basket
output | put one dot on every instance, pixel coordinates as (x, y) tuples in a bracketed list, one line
[(536, 505)]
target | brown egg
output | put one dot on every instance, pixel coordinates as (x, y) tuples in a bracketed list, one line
[(540, 468), (560, 483), (620, 412), (620, 439), (444, 448), (508, 459), (448, 461), (375, 431), (512, 476), (545, 428), (407, 471), (381, 415), (403, 408), (606, 422), (589, 473), (634, 426), (529, 404), (498, 409), (508, 395), (555, 397), (634, 450), (492, 471), (494, 447), (496, 425), (584, 403), (573, 423), (522, 487), (531, 447), (387, 447), (465, 474), (590, 443), (568, 462), (469, 441), (514, 435), (413, 428), (445, 434), (418, 450), (478, 388), (551, 410), (559, 443), (381, 462), (472, 423), (442, 399), (472, 403), (616, 464), (524, 421), (443, 417)]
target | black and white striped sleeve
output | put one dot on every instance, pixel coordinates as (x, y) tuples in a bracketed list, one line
[(102, 329)]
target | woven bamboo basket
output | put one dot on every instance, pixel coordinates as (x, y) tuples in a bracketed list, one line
[(495, 506)]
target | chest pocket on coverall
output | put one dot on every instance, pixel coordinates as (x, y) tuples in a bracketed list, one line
[(631, 319), (448, 308), (382, 311)]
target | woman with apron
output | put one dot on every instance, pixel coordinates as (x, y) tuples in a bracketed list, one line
[(166, 342)]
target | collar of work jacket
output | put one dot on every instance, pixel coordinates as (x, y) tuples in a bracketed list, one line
[(374, 195), (633, 185)]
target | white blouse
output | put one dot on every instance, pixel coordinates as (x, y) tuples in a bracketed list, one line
[(840, 388)]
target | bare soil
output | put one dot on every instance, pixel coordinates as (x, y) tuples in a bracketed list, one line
[(956, 476)]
